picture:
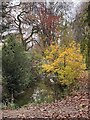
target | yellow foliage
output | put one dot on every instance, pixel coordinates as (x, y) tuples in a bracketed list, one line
[(66, 62)]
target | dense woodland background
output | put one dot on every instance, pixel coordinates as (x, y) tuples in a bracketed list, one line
[(45, 51)]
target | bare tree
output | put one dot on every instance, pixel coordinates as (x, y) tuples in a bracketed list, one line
[(30, 19)]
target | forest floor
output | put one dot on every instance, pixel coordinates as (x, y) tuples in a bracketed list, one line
[(74, 106)]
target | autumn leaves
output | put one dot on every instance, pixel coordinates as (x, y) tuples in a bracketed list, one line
[(66, 62)]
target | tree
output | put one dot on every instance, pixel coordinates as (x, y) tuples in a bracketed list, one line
[(88, 51), (37, 18), (82, 24), (14, 68), (5, 23), (65, 62)]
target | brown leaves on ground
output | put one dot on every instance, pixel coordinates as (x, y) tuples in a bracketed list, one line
[(70, 107), (74, 107)]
